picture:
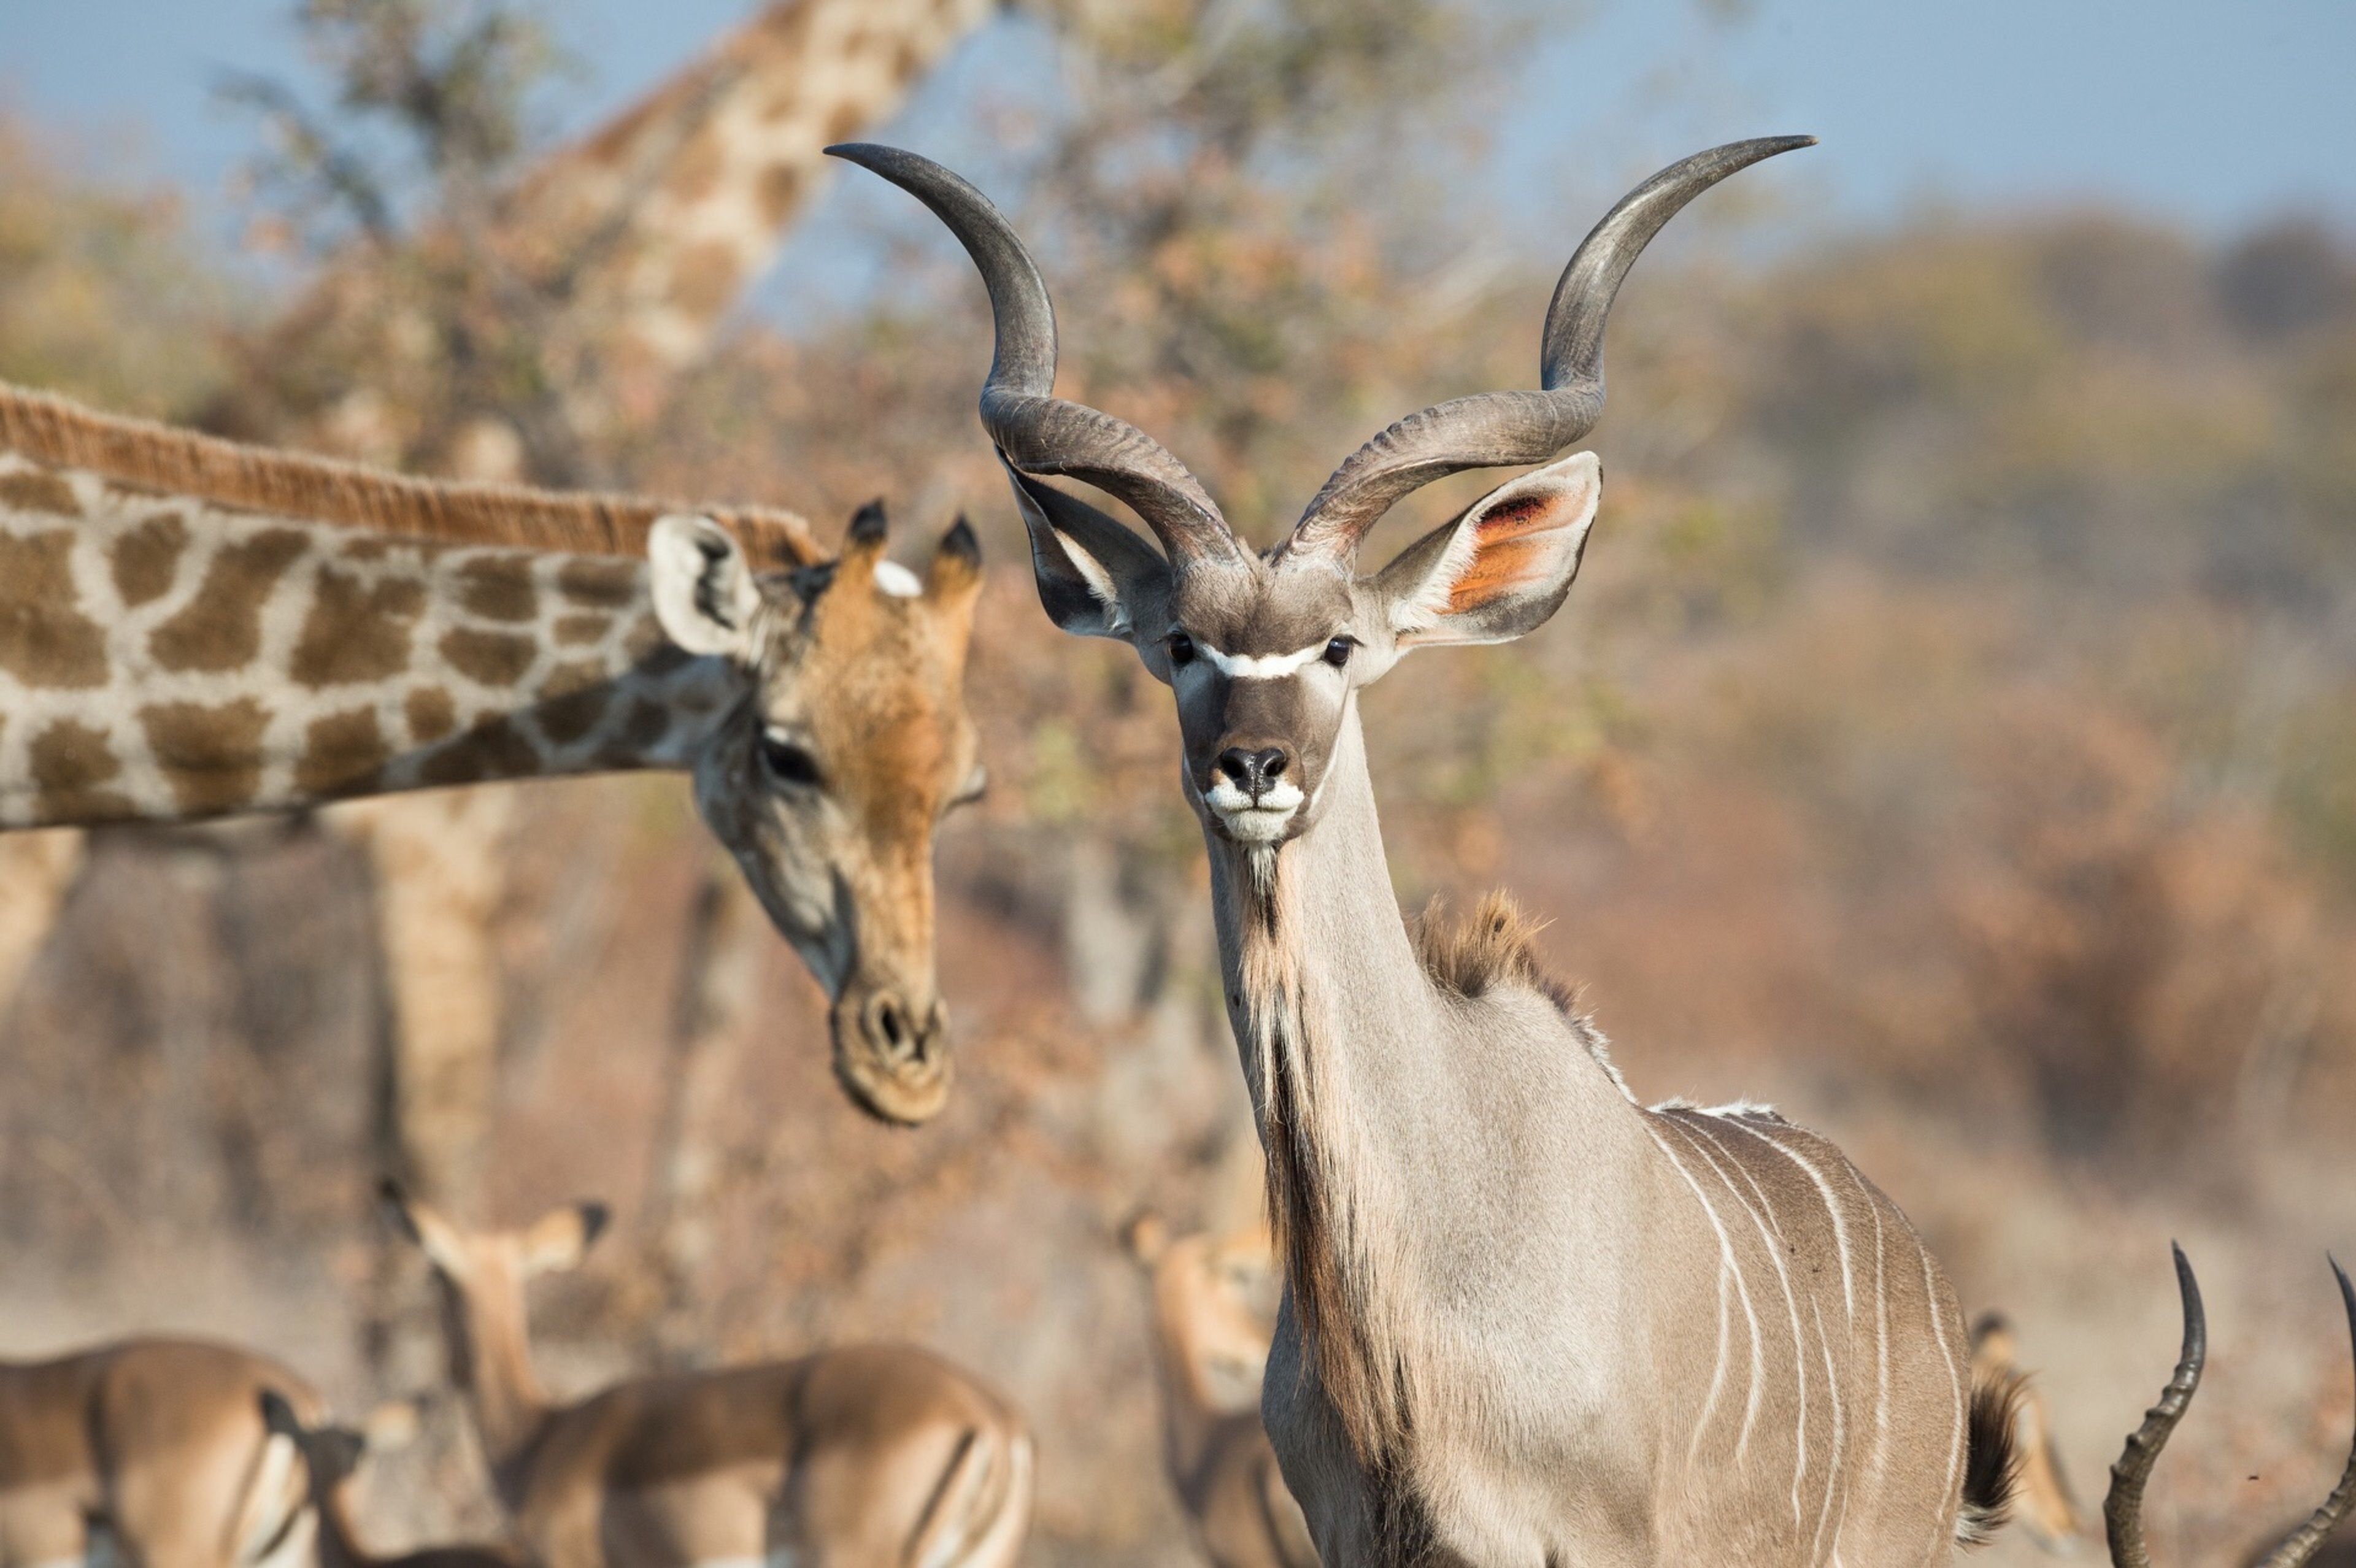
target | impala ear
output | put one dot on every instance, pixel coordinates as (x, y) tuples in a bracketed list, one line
[(438, 1239), (1147, 1237), (1500, 569), (559, 1239), (703, 589), (1096, 578), (392, 1426)]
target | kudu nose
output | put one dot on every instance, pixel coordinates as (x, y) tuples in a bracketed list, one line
[(1255, 772)]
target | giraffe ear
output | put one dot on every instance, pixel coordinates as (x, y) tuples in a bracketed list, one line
[(703, 589)]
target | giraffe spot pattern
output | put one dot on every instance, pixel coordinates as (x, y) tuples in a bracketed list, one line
[(342, 753), (496, 750), (574, 631), (38, 490), (572, 700), (598, 584), (209, 755), (490, 658), (498, 588), (779, 188), (357, 631), (71, 764), (146, 557), (431, 714), (45, 641), (706, 277), (220, 627)]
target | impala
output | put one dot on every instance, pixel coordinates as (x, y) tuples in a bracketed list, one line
[(1211, 1349), (330, 1455), (158, 1445), (881, 1455)]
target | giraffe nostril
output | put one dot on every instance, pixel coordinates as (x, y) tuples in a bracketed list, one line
[(889, 1028)]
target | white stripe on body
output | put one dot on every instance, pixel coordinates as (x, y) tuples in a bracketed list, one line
[(1790, 1297), (1726, 1266), (1758, 1343), (272, 1499), (1824, 1189), (1940, 1540), (1832, 1471)]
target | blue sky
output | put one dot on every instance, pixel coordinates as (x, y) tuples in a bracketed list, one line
[(2210, 115)]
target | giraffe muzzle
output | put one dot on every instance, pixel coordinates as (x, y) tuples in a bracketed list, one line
[(892, 1057)]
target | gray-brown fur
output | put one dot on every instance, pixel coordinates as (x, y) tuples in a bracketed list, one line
[(1527, 1320)]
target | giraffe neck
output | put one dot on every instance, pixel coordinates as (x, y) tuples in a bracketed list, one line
[(163, 658), (678, 202)]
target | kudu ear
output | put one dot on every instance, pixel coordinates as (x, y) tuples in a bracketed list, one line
[(1096, 578), (703, 589), (1500, 569), (559, 1239)]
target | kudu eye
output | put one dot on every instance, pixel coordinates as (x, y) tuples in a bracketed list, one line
[(788, 762), (1337, 652), (1181, 650)]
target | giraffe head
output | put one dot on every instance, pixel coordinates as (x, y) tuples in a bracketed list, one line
[(826, 780)]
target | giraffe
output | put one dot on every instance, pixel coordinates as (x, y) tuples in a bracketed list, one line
[(190, 628), (634, 239), (655, 222)]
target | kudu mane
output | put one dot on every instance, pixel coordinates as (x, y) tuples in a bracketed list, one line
[(143, 454)]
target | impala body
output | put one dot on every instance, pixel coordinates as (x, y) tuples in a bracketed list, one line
[(156, 1448), (882, 1455)]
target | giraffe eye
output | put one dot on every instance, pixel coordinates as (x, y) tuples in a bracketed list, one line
[(788, 762)]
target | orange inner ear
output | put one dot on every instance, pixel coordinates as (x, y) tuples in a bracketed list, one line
[(1507, 551)]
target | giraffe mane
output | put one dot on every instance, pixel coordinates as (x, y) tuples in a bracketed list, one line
[(143, 454)]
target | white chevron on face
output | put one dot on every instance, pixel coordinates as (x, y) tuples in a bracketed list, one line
[(1260, 666)]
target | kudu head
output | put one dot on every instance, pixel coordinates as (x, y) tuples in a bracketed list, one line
[(828, 778), (1265, 650)]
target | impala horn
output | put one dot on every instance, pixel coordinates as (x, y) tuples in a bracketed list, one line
[(1496, 430), (2123, 1508), (1036, 430)]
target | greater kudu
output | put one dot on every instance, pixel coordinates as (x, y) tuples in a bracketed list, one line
[(1527, 1320)]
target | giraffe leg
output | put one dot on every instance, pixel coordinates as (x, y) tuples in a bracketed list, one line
[(36, 868), (441, 870)]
